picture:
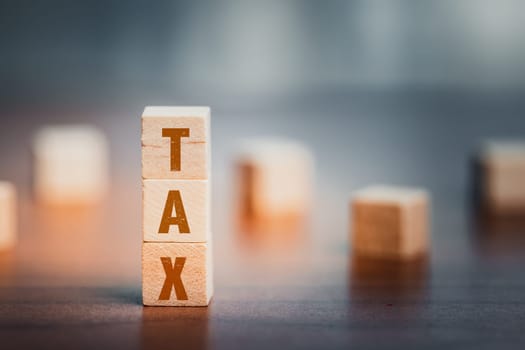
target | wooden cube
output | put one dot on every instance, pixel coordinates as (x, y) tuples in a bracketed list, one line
[(502, 179), (70, 165), (176, 143), (8, 215), (176, 210), (274, 178), (176, 274), (390, 222)]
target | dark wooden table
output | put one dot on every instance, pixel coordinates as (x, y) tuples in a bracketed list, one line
[(74, 279)]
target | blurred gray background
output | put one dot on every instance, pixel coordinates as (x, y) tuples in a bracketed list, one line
[(118, 48), (258, 47)]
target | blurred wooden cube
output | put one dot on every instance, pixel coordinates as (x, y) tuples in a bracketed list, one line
[(176, 274), (71, 165), (8, 215), (390, 222), (503, 177), (275, 179), (175, 143), (176, 210)]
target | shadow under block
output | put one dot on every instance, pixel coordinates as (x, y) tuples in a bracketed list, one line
[(71, 165), (390, 222), (275, 179), (186, 133), (8, 215), (503, 178), (176, 210), (176, 274)]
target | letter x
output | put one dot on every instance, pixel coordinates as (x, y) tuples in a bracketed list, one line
[(173, 279)]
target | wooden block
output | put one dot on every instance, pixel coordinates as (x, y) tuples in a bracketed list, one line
[(71, 165), (175, 143), (176, 274), (274, 178), (390, 222), (502, 181), (8, 215), (176, 210)]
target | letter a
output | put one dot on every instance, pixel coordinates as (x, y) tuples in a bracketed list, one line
[(175, 135), (174, 200), (173, 279)]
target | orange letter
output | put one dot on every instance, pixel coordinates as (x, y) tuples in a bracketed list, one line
[(175, 135), (173, 279), (174, 200)]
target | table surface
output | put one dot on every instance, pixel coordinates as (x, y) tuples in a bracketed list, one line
[(74, 278)]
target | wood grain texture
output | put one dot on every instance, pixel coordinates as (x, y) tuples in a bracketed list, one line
[(195, 149), (389, 222), (275, 179), (195, 198), (70, 165), (196, 275), (8, 215), (503, 165)]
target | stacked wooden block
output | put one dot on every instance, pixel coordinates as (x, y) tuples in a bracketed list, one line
[(176, 250)]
